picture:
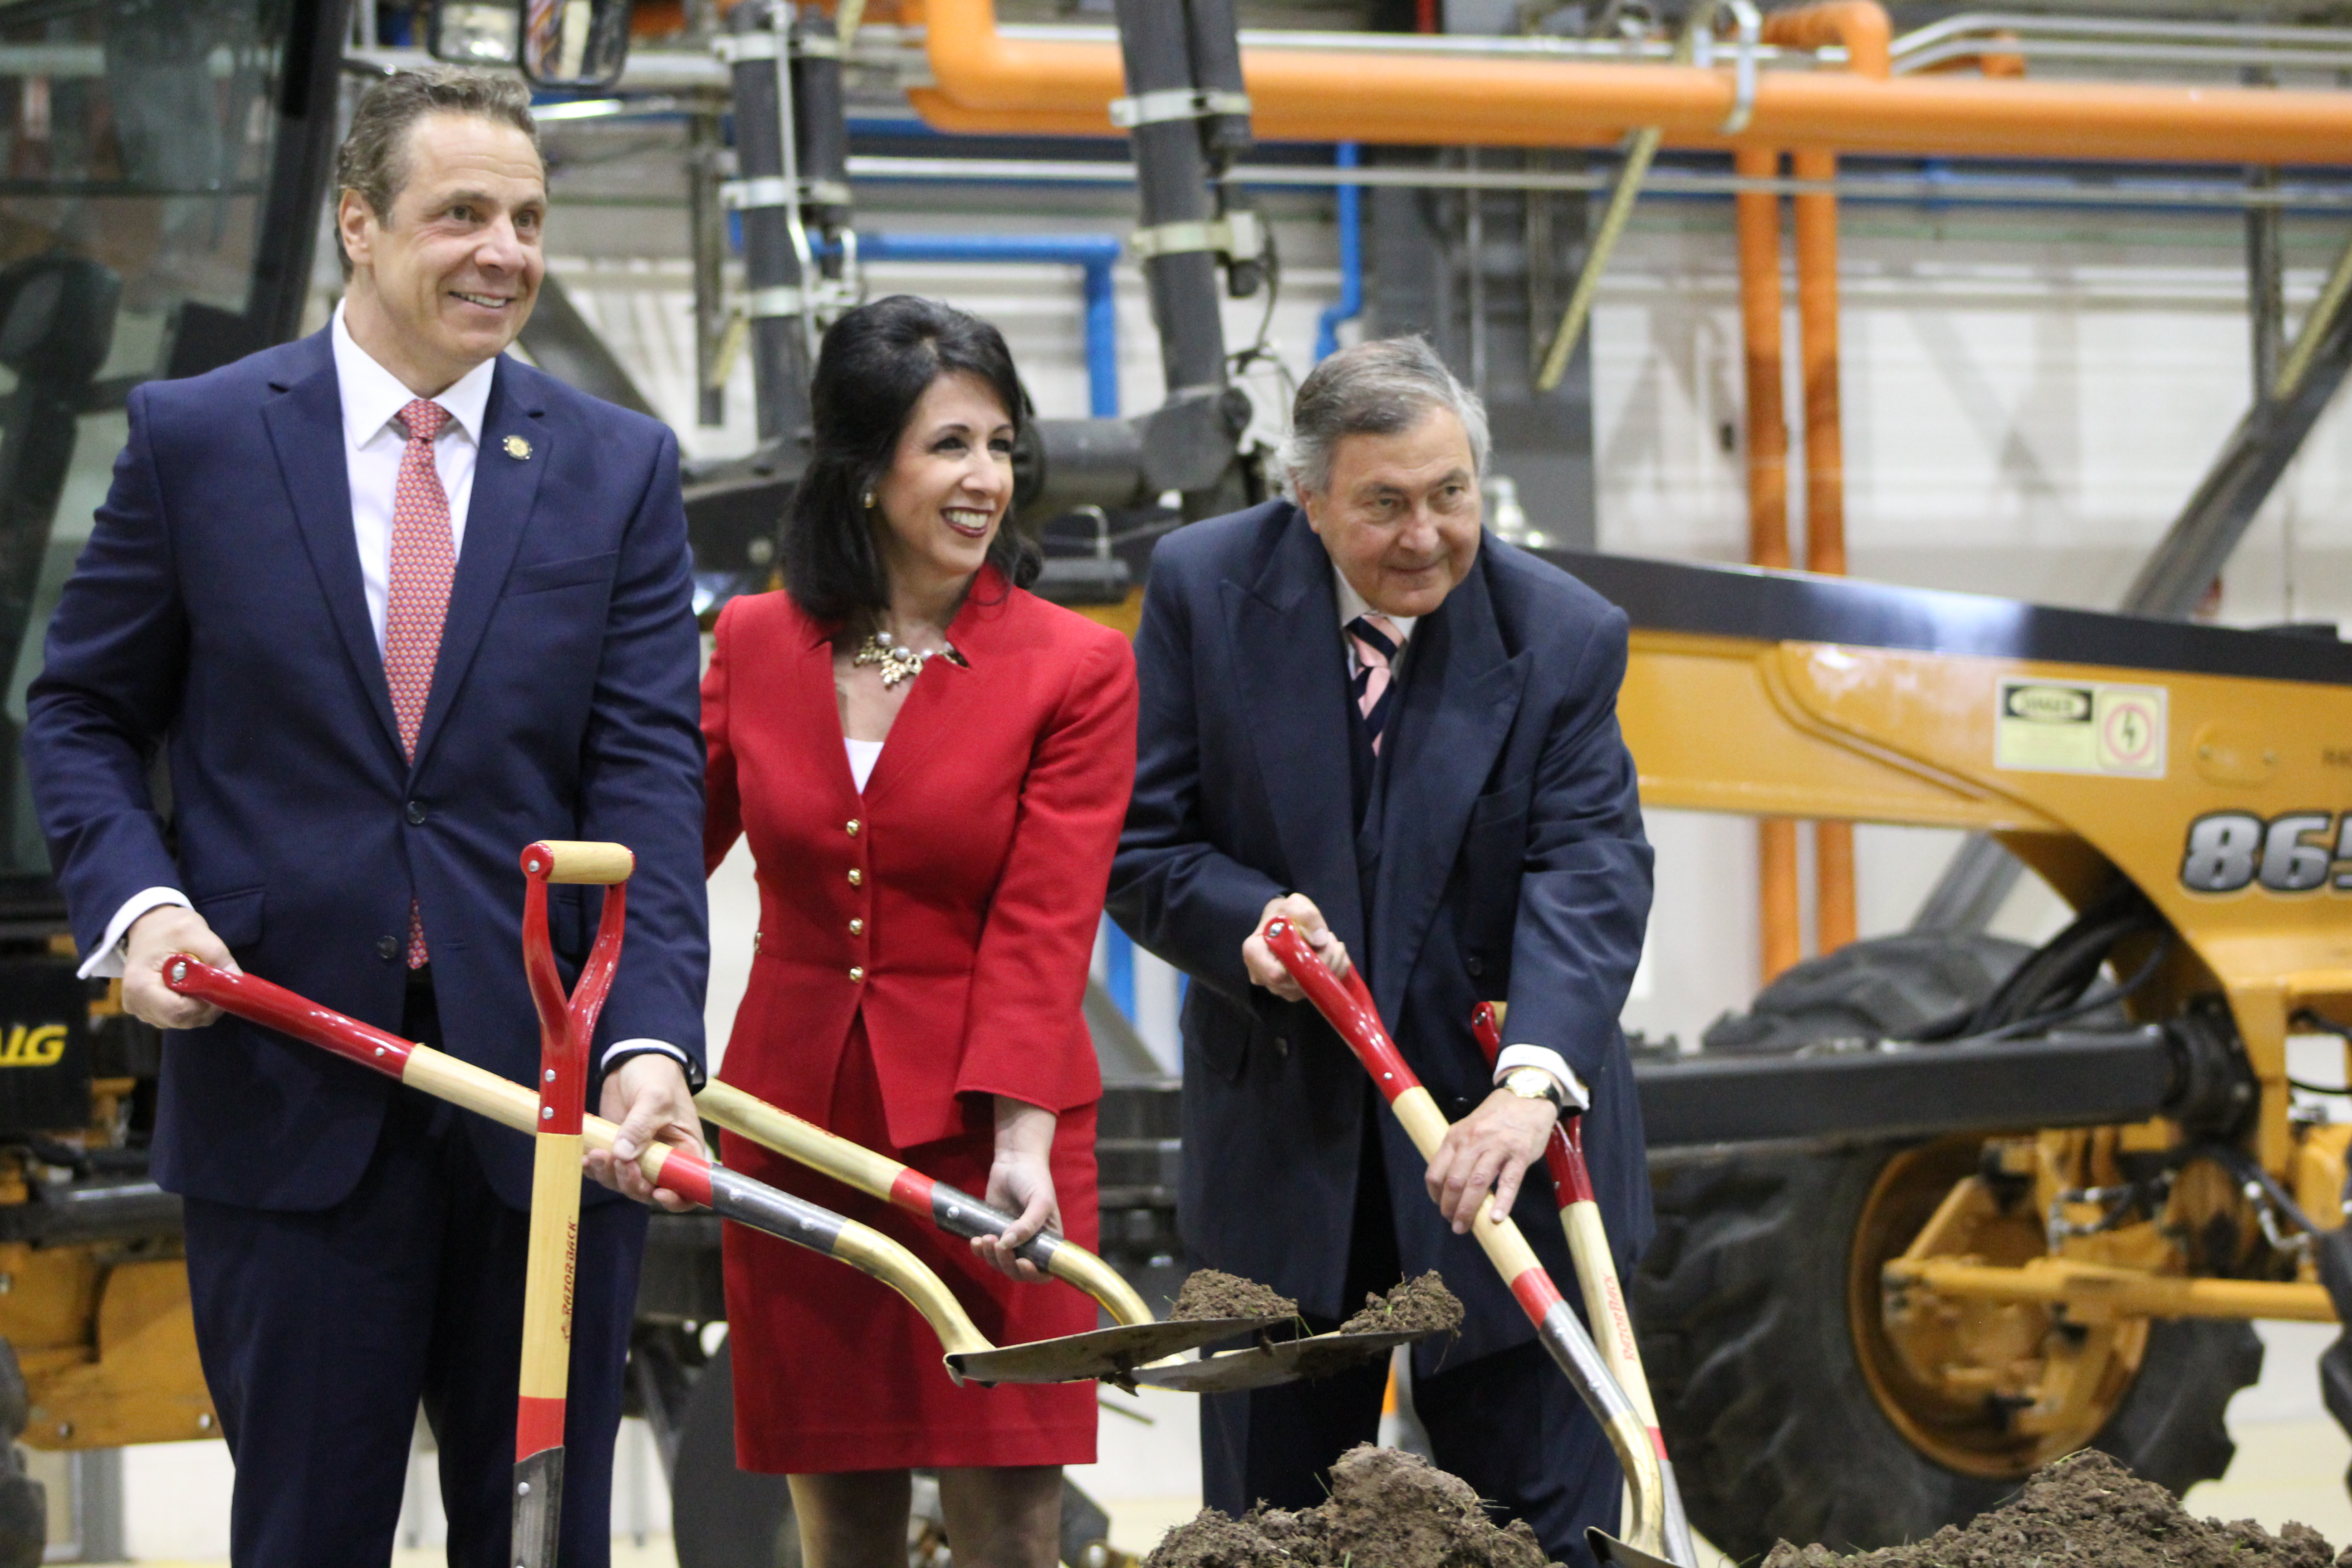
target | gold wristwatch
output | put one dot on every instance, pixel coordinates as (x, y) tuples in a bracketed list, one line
[(1534, 1083)]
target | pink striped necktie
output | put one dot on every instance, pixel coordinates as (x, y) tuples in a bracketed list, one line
[(423, 566), (1374, 638)]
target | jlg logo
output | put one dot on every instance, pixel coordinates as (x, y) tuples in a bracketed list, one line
[(37, 1047), (2291, 854)]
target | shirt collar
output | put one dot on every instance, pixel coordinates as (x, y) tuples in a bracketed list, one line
[(1352, 604), (373, 395)]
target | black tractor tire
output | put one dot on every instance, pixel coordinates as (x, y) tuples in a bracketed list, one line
[(23, 1515), (1889, 988), (1741, 1302), (24, 1502), (15, 1405)]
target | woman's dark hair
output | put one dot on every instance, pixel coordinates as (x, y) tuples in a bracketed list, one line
[(876, 364)]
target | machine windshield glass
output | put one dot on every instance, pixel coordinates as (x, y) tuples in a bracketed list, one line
[(135, 155)]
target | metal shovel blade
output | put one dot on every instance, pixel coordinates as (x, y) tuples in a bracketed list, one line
[(1113, 1353), (1264, 1365), (1608, 1548), (538, 1508)]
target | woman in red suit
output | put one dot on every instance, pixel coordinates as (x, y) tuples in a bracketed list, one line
[(932, 765)]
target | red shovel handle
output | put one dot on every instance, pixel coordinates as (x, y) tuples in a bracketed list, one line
[(566, 1024), (1350, 1010), (1347, 1007)]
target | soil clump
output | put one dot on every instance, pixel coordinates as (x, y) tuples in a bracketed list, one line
[(1416, 1306), (1388, 1509), (2087, 1510), (1209, 1293)]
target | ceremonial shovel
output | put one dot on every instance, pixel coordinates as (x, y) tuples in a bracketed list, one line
[(1604, 1297), (1130, 1352), (1350, 1010), (565, 1027), (1108, 1352)]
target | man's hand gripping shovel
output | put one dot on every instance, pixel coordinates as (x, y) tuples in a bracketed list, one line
[(1349, 1009)]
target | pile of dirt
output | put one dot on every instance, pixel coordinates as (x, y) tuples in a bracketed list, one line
[(2086, 1509), (1211, 1294), (1386, 1509), (1417, 1306)]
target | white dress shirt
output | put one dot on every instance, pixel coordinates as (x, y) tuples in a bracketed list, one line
[(1350, 605), (373, 444)]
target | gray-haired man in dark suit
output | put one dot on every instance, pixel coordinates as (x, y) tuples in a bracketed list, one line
[(1361, 715)]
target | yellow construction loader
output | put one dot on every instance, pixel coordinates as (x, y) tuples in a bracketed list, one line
[(1939, 1208)]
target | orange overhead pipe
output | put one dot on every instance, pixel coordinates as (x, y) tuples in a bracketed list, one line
[(1338, 95), (1817, 349), (1778, 919), (1861, 27), (1758, 216), (1835, 913)]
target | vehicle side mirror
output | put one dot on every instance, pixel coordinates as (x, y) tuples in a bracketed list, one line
[(555, 43)]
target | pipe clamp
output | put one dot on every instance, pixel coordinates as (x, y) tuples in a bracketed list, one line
[(1750, 24), (733, 48), (1239, 236), (779, 299), (1175, 103), (775, 191)]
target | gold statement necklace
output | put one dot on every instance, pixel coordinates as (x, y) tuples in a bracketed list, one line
[(900, 662)]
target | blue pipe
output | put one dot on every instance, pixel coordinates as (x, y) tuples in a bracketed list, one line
[(1118, 967), (1095, 253), (1351, 259)]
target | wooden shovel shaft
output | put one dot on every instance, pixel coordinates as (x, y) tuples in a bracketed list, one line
[(551, 1271), (1588, 1243), (726, 1193), (1349, 1011), (879, 1176)]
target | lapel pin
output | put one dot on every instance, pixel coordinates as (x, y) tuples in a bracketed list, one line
[(517, 449)]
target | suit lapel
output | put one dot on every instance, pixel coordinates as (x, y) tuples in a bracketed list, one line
[(505, 486), (1460, 694), (1293, 676), (306, 431)]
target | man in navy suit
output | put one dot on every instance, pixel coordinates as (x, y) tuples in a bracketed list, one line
[(395, 607), (1360, 716)]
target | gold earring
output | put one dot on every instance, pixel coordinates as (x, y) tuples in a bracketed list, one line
[(866, 500)]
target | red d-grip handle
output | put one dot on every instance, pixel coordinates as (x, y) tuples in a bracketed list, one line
[(1349, 1008)]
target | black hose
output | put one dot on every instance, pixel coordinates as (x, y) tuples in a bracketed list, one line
[(2108, 998), (2246, 1168), (2057, 974)]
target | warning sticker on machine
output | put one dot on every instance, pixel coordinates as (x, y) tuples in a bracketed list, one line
[(2065, 727)]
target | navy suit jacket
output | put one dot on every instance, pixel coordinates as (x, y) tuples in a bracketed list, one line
[(1507, 861), (217, 612)]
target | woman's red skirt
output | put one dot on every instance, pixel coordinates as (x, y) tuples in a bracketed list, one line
[(833, 1370)]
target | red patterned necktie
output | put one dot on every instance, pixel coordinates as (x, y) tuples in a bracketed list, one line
[(1375, 639), (424, 565)]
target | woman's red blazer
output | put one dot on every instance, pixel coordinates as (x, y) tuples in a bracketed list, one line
[(956, 902)]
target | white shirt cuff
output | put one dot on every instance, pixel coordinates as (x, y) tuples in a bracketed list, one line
[(663, 1047), (1552, 1062), (106, 963)]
